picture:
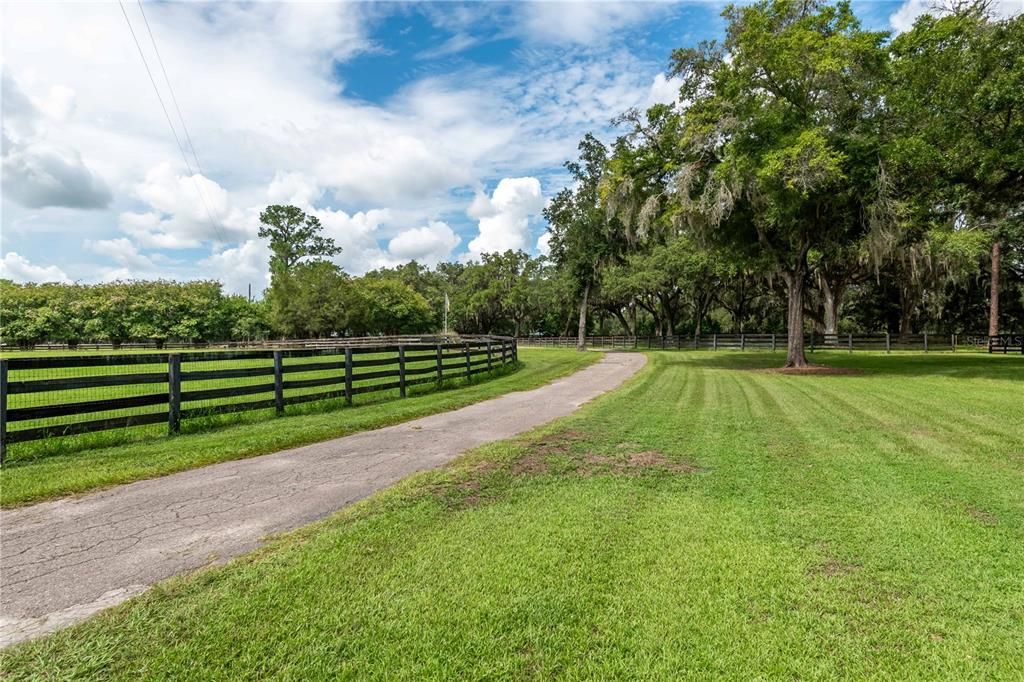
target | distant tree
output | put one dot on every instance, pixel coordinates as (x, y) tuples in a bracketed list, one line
[(585, 240), (293, 236), (384, 306)]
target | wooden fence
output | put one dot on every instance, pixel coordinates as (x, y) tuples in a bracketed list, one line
[(180, 386), (848, 342)]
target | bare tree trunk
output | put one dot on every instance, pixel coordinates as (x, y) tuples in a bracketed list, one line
[(795, 319), (581, 336), (993, 300)]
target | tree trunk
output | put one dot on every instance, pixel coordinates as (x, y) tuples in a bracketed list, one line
[(831, 319), (993, 300), (581, 336), (624, 322), (906, 313), (795, 319)]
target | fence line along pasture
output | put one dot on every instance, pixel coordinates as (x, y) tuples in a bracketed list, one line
[(53, 396), (1004, 343)]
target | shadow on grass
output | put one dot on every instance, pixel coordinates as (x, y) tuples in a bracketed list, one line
[(904, 363)]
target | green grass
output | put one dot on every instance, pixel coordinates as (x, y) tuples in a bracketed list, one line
[(57, 467), (773, 527)]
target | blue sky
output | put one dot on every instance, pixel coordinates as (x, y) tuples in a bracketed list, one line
[(433, 131)]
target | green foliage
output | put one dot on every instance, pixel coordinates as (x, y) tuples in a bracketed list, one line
[(120, 312), (386, 306)]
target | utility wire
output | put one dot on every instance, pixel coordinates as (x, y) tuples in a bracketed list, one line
[(177, 140), (174, 100)]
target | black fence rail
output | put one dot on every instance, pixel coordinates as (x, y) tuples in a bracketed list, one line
[(326, 342), (771, 342), (53, 396)]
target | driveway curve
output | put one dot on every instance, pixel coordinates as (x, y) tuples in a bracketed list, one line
[(62, 561)]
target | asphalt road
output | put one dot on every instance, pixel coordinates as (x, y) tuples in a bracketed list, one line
[(62, 561)]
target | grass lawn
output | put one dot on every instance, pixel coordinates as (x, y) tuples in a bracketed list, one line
[(703, 521), (46, 469)]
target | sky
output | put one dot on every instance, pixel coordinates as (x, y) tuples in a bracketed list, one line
[(424, 130)]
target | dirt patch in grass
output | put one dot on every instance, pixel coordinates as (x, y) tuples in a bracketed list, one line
[(811, 370), (831, 565), (981, 516)]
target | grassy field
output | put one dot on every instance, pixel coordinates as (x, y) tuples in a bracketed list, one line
[(707, 520), (61, 466)]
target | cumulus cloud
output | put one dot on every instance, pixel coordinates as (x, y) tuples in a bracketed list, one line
[(240, 266), (543, 245), (40, 174), (19, 269), (504, 217), (428, 245), (185, 212), (664, 90), (36, 171)]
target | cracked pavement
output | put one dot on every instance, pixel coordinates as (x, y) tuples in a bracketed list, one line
[(62, 561)]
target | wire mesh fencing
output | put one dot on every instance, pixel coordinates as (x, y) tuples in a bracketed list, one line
[(60, 403)]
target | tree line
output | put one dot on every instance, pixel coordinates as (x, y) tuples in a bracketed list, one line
[(815, 171)]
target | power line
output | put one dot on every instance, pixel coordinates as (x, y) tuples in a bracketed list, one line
[(174, 132), (174, 100)]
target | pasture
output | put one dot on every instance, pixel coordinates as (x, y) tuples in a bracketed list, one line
[(711, 518)]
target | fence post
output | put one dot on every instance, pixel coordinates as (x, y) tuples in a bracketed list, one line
[(173, 393), (348, 376), (3, 409), (812, 342), (401, 371), (714, 342), (488, 355), (279, 382), (634, 338), (743, 341), (469, 370), (515, 351), (952, 342), (888, 342), (849, 342), (439, 370), (773, 343), (926, 342)]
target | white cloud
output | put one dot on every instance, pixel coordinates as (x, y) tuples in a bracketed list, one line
[(903, 19), (664, 90), (186, 211), (19, 269), (428, 245), (543, 245), (38, 172), (581, 21), (295, 189), (504, 216), (241, 266), (123, 252)]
